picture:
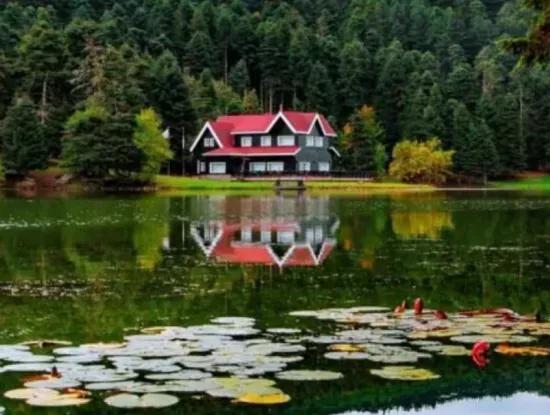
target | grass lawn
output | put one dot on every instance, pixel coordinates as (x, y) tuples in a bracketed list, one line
[(539, 182), (194, 183)]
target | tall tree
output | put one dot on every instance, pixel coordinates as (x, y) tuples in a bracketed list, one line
[(22, 138)]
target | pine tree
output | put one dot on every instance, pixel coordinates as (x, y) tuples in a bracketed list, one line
[(251, 104), (22, 137), (42, 54), (198, 53), (238, 77), (352, 72), (320, 91)]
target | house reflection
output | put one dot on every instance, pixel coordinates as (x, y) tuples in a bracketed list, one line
[(298, 237)]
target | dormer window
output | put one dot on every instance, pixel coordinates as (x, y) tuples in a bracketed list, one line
[(246, 141), (310, 141), (318, 141), (285, 140), (266, 141), (209, 142)]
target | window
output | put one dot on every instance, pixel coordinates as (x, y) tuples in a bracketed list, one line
[(266, 141), (217, 167), (246, 234), (285, 140), (246, 141), (285, 237), (277, 166), (310, 141), (304, 166), (257, 166), (319, 141), (265, 236), (209, 142), (202, 167), (324, 166)]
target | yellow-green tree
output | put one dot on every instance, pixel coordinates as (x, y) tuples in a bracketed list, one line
[(421, 162), (149, 139)]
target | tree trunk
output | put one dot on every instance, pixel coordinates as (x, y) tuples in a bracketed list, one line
[(225, 62), (43, 101)]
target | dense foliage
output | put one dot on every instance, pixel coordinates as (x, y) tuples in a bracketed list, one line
[(429, 68), (421, 162)]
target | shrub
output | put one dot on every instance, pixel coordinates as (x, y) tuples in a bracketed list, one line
[(421, 162)]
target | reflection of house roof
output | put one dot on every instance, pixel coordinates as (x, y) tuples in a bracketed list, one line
[(225, 249)]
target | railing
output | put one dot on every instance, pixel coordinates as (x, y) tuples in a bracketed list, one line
[(343, 174)]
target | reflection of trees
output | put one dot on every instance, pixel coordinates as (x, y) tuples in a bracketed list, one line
[(410, 225), (420, 215), (150, 230)]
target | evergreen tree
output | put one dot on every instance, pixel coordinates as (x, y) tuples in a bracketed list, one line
[(320, 91), (198, 53), (42, 53), (363, 142), (251, 104), (352, 72), (22, 138), (100, 145), (238, 77)]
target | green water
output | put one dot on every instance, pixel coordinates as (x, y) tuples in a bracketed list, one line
[(94, 269)]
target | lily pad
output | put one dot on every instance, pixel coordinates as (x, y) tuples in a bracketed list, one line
[(522, 351), (309, 375), (447, 350), (347, 356), (58, 401), (408, 373), (182, 375), (150, 400), (111, 386), (283, 331), (474, 338), (46, 343), (61, 383), (28, 393), (273, 399)]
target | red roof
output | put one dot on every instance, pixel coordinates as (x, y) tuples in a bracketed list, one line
[(226, 249), (227, 126), (253, 151)]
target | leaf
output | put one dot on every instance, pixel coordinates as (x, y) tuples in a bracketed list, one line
[(149, 400), (408, 373), (308, 375), (522, 351), (274, 399)]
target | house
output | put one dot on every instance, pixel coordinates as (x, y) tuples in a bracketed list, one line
[(279, 243), (284, 142)]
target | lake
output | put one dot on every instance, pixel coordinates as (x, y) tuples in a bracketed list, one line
[(96, 269)]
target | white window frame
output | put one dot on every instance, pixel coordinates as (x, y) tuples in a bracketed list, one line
[(276, 166), (246, 141), (304, 166), (319, 141), (324, 166), (310, 141), (209, 142), (257, 166), (265, 236), (286, 140), (266, 141), (246, 234), (285, 237), (213, 164), (202, 167)]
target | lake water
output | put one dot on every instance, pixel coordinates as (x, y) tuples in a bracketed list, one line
[(94, 269)]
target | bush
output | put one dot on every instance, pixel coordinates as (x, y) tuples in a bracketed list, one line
[(421, 162)]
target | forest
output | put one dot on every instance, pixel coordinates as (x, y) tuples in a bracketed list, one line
[(90, 84)]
